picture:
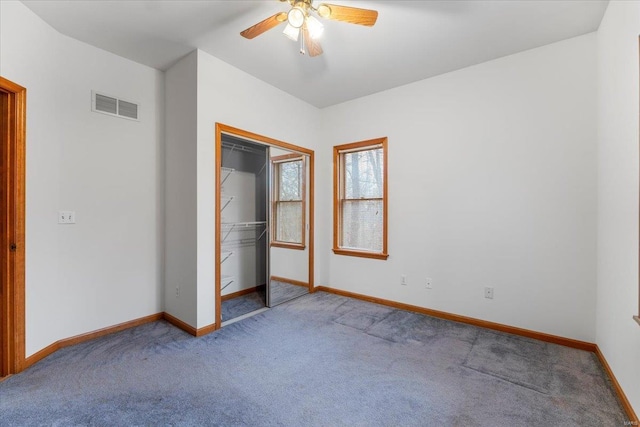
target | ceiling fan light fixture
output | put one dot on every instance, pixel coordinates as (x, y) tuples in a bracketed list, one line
[(296, 17), (324, 10), (315, 27), (303, 25), (291, 32)]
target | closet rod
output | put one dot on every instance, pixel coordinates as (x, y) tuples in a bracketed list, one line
[(243, 224), (232, 147)]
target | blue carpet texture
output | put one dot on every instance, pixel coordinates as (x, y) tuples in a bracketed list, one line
[(243, 304), (318, 360)]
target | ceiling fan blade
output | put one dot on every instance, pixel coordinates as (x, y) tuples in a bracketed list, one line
[(264, 25), (349, 14), (313, 47)]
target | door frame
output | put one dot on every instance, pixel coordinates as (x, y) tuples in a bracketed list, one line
[(254, 137), (13, 98)]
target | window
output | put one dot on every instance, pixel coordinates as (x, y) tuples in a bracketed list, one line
[(288, 215), (360, 199)]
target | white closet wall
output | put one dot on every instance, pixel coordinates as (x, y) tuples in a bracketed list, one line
[(238, 247)]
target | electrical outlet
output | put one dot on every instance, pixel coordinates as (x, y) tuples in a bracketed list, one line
[(488, 292), (403, 280), (177, 291), (428, 283)]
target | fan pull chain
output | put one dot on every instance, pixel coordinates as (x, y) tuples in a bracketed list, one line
[(302, 52)]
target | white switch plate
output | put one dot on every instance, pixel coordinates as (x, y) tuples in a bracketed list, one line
[(66, 217)]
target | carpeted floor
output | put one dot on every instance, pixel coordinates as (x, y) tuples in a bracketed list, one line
[(243, 304), (283, 292), (318, 360), (280, 292)]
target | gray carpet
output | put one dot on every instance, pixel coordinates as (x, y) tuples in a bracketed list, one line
[(318, 360), (283, 292), (243, 304)]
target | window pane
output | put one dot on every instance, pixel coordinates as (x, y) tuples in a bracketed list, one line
[(290, 180), (289, 222), (363, 174), (362, 225)]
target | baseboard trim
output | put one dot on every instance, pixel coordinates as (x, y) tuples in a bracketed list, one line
[(568, 342), (52, 348), (180, 324), (187, 327), (290, 281), (626, 405), (239, 293), (206, 330)]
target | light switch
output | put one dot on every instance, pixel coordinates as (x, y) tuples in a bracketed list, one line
[(66, 217)]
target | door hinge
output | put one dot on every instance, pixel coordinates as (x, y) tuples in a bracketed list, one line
[(13, 247)]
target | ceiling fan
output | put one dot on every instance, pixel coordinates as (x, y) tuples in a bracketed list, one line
[(301, 24)]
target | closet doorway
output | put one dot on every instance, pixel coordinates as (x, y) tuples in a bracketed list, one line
[(264, 223)]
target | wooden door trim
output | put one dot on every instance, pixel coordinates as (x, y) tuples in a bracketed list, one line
[(229, 130), (12, 230)]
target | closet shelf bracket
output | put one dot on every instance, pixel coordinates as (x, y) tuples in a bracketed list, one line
[(225, 256), (228, 232), (226, 174), (226, 201), (226, 281)]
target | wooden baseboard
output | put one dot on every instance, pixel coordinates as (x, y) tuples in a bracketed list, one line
[(52, 348), (239, 293), (631, 415), (187, 327), (290, 281), (180, 324), (206, 330), (581, 345), (89, 336)]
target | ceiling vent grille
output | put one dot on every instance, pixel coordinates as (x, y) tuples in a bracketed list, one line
[(113, 106)]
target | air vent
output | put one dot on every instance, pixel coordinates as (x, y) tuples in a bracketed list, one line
[(113, 106), (106, 104), (128, 109)]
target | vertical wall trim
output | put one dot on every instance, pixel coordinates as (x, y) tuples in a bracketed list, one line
[(13, 99)]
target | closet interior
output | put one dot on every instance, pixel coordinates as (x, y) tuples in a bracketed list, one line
[(259, 183)]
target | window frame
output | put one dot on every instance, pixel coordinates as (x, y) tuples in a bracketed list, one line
[(338, 198), (276, 161)]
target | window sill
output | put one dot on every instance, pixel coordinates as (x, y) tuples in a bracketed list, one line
[(637, 319), (295, 246), (361, 254)]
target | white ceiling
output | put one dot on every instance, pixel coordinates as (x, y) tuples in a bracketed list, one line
[(412, 40)]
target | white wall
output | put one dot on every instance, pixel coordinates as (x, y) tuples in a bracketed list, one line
[(617, 335), (107, 268), (492, 182), (233, 97), (242, 265), (181, 91)]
